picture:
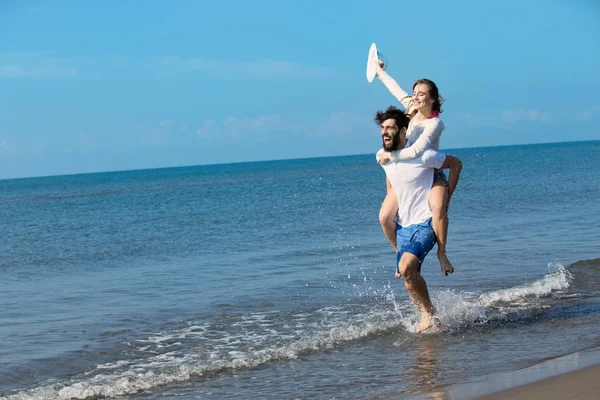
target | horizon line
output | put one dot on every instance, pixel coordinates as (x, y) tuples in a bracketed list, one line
[(276, 160)]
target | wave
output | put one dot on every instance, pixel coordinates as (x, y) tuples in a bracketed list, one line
[(458, 311), (256, 344), (559, 279), (595, 262), (246, 341)]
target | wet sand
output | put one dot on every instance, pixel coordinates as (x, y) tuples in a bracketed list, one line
[(582, 384), (573, 376)]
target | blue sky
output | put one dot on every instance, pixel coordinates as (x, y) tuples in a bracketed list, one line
[(114, 85)]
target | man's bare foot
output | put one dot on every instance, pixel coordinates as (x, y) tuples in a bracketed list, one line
[(429, 321), (445, 264)]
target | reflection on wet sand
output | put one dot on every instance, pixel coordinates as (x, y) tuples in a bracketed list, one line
[(423, 376)]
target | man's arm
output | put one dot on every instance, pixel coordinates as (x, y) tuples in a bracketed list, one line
[(455, 166)]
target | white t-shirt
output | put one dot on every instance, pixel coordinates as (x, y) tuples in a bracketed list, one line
[(411, 181), (420, 134)]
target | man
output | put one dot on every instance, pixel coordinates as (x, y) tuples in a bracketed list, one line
[(411, 181)]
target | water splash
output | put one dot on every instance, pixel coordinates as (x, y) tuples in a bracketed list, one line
[(559, 278), (460, 310), (258, 338)]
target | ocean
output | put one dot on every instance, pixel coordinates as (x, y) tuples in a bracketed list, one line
[(274, 280)]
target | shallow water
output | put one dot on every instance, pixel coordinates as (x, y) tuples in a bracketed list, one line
[(274, 280)]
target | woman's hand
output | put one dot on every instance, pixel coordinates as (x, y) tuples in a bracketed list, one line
[(383, 157), (379, 67)]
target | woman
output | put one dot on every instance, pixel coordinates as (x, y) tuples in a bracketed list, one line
[(424, 130)]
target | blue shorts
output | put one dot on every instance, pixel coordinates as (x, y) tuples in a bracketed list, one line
[(417, 239)]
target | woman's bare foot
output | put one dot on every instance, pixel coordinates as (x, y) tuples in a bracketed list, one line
[(445, 264)]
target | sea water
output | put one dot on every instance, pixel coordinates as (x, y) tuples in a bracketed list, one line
[(274, 280)]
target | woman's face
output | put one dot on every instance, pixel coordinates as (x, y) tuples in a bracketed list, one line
[(421, 98)]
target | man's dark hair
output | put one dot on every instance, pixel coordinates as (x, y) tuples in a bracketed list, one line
[(400, 116)]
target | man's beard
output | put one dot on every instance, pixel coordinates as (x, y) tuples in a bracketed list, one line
[(393, 144)]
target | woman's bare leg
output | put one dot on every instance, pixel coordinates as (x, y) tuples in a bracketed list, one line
[(438, 201), (387, 216)]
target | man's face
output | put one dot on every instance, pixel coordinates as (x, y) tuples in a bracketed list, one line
[(390, 134)]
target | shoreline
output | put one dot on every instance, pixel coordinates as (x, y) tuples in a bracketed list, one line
[(582, 384), (573, 375)]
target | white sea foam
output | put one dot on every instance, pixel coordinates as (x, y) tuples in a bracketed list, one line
[(458, 310), (335, 326), (255, 340), (559, 278)]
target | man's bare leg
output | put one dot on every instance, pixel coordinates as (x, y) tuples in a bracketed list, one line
[(413, 296), (438, 201), (415, 299), (417, 290), (387, 214)]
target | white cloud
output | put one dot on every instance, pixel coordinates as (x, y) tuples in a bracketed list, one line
[(587, 115), (262, 124), (339, 124), (532, 115), (476, 120), (7, 146), (233, 126), (118, 144), (34, 65), (184, 128), (524, 115), (39, 147), (209, 128), (507, 116), (159, 135), (261, 69), (158, 138), (334, 125), (50, 65), (162, 132), (85, 141)]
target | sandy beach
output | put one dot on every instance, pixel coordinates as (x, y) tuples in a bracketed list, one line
[(582, 384), (573, 376)]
